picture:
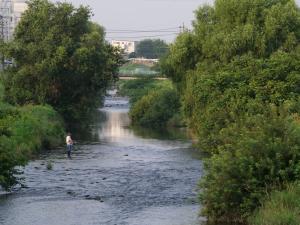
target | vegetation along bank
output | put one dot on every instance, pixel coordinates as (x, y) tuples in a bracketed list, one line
[(62, 68), (237, 73)]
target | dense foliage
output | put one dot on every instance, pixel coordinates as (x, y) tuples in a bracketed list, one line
[(282, 207), (61, 59), (261, 153), (238, 75), (137, 88), (151, 48), (154, 103), (23, 132), (156, 108)]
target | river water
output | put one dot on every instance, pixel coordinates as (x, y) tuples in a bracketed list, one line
[(117, 176)]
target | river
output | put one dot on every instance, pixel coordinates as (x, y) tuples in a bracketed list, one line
[(117, 176)]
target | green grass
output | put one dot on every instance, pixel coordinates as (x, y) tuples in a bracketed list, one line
[(24, 131), (282, 208), (131, 69)]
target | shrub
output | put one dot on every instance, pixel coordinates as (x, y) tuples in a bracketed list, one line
[(261, 152), (156, 108), (137, 88), (23, 132)]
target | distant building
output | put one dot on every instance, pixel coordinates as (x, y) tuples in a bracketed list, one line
[(10, 15), (127, 46)]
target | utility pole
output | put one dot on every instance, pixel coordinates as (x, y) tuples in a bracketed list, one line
[(181, 28)]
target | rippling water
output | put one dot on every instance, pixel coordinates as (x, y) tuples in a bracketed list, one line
[(119, 178)]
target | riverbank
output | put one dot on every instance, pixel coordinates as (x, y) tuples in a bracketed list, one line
[(24, 131)]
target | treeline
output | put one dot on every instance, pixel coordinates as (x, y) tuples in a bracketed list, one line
[(238, 75), (61, 68)]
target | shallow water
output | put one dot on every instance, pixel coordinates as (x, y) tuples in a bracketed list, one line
[(117, 176)]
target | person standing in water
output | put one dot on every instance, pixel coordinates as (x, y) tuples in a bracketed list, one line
[(69, 143)]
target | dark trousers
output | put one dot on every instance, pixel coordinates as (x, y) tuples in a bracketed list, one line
[(69, 150)]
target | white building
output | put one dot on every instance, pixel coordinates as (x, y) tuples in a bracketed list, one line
[(10, 14), (127, 46)]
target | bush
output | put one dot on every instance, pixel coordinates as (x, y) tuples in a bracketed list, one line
[(23, 132), (137, 88), (281, 208), (258, 154), (156, 108)]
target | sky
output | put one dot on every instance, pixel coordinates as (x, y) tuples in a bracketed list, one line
[(129, 19), (166, 16)]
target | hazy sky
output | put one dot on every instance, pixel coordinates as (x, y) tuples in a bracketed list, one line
[(143, 15)]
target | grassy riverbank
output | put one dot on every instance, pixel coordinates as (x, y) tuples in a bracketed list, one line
[(280, 208), (24, 131)]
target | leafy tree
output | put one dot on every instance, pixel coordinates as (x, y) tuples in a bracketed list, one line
[(230, 29), (151, 49), (132, 55), (61, 59)]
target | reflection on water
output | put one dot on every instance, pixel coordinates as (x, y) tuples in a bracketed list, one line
[(118, 176), (114, 128), (163, 134), (117, 130)]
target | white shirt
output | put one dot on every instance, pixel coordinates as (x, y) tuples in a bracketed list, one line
[(69, 140)]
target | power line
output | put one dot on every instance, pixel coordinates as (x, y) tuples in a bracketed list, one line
[(147, 30), (148, 36)]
